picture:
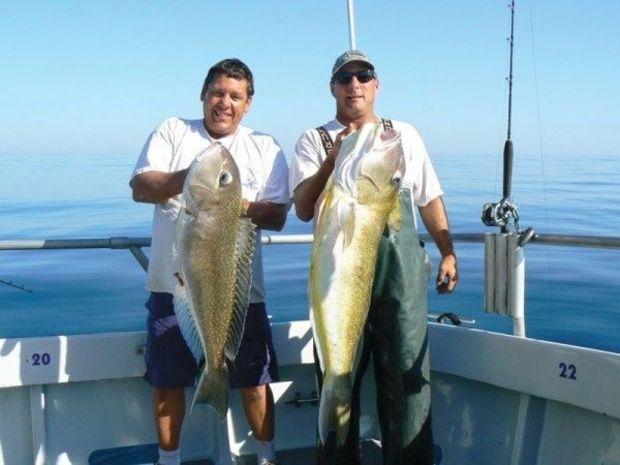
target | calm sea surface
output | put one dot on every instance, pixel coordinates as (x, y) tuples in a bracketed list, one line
[(573, 295)]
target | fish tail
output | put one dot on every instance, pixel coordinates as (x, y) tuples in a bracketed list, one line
[(212, 389), (335, 408)]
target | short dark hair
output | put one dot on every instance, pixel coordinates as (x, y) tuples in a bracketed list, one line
[(231, 67)]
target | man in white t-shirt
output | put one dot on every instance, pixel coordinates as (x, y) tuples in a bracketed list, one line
[(395, 330), (158, 178)]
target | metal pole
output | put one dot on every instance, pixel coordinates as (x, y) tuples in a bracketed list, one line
[(517, 276), (351, 24), (517, 296), (140, 256), (563, 240)]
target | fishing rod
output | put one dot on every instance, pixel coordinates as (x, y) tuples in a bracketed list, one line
[(508, 148), (501, 213)]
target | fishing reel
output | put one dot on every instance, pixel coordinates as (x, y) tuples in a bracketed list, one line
[(499, 214)]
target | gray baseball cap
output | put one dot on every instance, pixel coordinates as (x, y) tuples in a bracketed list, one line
[(350, 56)]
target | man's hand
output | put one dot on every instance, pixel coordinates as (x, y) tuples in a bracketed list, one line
[(448, 275), (265, 215), (307, 192), (245, 205), (333, 153)]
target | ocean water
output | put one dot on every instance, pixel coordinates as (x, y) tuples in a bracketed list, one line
[(572, 295)]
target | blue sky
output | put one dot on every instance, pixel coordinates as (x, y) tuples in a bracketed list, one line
[(95, 78)]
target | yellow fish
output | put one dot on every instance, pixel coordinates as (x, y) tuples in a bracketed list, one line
[(359, 200)]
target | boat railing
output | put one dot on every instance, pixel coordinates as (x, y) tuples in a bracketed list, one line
[(135, 244)]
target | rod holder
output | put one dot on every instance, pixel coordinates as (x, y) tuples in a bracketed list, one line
[(504, 277)]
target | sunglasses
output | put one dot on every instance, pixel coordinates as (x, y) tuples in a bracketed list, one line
[(345, 77)]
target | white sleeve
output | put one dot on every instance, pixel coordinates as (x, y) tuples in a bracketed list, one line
[(426, 187), (425, 184), (158, 150), (306, 160), (275, 188)]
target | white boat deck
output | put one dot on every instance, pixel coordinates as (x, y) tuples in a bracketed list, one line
[(370, 451)]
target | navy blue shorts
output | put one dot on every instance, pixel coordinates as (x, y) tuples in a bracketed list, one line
[(170, 364)]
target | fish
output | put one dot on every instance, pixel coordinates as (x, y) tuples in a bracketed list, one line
[(213, 253), (359, 200)]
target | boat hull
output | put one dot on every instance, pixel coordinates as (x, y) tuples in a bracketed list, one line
[(496, 399)]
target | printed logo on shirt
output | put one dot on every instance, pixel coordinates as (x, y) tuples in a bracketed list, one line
[(249, 183)]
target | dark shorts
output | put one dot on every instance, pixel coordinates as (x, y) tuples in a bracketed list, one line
[(170, 364)]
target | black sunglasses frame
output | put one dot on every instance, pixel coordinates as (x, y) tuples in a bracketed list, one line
[(345, 77)]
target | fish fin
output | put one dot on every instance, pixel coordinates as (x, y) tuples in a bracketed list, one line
[(243, 283), (395, 218), (346, 219), (323, 201), (335, 408), (178, 204), (185, 318), (182, 218), (212, 389)]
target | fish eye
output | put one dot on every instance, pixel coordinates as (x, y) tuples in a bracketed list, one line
[(225, 178), (396, 180)]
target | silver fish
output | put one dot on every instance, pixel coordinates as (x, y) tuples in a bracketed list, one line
[(213, 250)]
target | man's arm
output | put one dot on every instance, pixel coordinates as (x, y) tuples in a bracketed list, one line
[(436, 221), (157, 186), (266, 215), (307, 192)]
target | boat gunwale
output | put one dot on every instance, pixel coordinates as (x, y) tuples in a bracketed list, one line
[(523, 365), (124, 242)]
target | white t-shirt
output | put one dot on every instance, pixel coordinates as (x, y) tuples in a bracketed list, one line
[(172, 147), (420, 177)]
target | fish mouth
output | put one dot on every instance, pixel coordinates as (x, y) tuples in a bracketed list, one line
[(369, 179), (197, 190)]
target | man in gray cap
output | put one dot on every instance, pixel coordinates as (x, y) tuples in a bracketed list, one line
[(396, 330)]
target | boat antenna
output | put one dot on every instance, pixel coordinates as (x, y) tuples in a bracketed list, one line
[(351, 15), (500, 213)]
